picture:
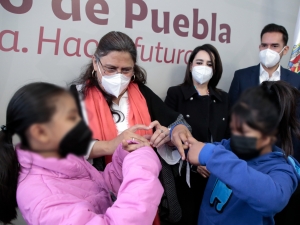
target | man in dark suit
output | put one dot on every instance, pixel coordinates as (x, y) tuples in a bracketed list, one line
[(273, 47)]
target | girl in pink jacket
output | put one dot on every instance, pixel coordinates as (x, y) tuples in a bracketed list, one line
[(50, 181)]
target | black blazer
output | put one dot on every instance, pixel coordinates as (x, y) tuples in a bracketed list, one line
[(185, 100), (249, 77)]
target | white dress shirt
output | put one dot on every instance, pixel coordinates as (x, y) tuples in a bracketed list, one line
[(123, 107), (264, 75)]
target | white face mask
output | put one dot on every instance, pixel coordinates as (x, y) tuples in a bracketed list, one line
[(269, 58), (114, 84), (202, 74)]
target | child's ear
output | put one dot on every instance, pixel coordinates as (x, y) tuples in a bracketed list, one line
[(267, 140), (38, 133), (273, 140)]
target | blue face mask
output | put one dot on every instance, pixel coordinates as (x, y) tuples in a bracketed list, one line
[(244, 147)]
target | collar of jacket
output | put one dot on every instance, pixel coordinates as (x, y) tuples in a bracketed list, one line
[(189, 91)]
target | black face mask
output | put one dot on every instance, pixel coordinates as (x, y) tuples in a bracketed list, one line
[(244, 147), (76, 141)]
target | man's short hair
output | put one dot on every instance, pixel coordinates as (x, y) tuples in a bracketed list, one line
[(272, 27)]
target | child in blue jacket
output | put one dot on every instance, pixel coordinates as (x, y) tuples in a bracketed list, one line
[(251, 179)]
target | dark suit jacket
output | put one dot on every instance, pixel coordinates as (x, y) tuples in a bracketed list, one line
[(249, 77)]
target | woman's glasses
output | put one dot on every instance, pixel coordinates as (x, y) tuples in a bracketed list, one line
[(112, 70)]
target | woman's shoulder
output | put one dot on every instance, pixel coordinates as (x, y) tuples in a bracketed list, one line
[(224, 95), (143, 86), (222, 92), (145, 90), (176, 88)]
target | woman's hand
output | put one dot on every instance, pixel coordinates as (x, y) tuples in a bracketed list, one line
[(180, 135), (203, 171), (160, 136), (194, 151), (132, 141), (129, 139)]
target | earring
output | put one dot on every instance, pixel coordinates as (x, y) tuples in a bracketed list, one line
[(133, 77), (94, 73)]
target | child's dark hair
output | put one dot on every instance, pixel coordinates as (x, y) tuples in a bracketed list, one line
[(270, 108), (33, 103)]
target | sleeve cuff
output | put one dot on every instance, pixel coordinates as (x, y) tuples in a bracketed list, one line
[(205, 154), (91, 145)]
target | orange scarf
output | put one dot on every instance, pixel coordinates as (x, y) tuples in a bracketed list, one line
[(101, 120)]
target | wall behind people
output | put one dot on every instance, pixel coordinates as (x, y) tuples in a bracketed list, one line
[(52, 40)]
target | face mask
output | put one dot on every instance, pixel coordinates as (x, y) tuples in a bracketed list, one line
[(202, 74), (76, 141), (114, 84), (269, 58), (244, 147)]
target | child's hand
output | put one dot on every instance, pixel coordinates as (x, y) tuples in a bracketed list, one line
[(194, 150), (179, 138), (203, 171)]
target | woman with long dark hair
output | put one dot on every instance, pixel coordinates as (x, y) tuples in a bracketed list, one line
[(205, 108), (251, 179)]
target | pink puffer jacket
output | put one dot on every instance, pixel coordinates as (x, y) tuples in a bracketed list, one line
[(71, 191)]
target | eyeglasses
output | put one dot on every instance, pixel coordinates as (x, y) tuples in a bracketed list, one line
[(112, 70)]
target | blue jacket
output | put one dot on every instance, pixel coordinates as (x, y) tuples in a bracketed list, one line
[(242, 192)]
